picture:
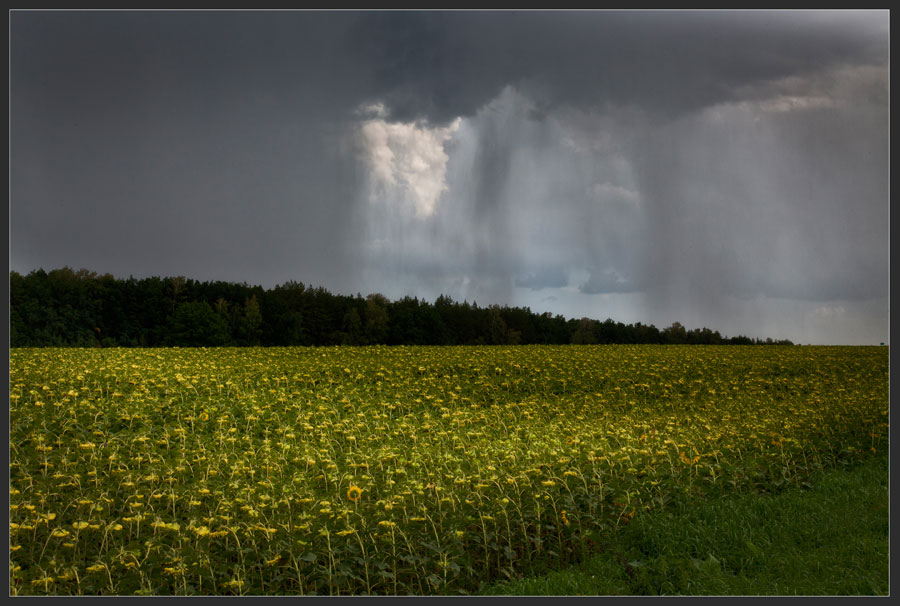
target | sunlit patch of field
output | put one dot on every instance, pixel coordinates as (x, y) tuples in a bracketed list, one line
[(397, 470)]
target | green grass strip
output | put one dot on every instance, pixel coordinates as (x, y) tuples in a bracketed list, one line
[(830, 539)]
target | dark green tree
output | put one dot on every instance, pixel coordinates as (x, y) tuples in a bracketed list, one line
[(584, 332), (197, 324), (674, 334), (176, 287), (225, 311), (251, 322), (83, 309), (498, 334), (376, 322), (352, 327)]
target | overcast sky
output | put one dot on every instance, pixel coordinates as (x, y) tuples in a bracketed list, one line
[(721, 169)]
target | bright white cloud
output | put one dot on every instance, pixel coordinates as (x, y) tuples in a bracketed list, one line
[(407, 161)]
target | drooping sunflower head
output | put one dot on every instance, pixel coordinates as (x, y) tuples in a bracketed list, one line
[(354, 492)]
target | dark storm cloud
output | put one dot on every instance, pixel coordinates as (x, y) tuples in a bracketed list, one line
[(717, 223), (442, 65), (98, 61), (700, 158), (550, 277), (607, 281), (183, 143), (791, 205)]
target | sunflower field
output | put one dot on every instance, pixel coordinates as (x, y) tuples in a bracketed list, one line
[(397, 470)]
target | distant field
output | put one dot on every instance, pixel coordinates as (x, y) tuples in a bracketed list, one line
[(398, 470)]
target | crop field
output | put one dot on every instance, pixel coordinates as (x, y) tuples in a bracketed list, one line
[(398, 470)]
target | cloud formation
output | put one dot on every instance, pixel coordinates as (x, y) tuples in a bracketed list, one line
[(722, 168), (407, 161)]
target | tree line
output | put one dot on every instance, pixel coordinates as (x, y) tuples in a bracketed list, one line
[(81, 308)]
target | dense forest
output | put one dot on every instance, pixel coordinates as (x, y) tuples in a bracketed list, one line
[(80, 308)]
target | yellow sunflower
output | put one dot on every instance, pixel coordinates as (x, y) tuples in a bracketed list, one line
[(354, 492)]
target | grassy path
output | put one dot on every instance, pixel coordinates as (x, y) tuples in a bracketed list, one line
[(830, 539)]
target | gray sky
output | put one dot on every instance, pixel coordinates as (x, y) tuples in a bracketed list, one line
[(722, 169)]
